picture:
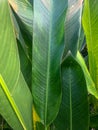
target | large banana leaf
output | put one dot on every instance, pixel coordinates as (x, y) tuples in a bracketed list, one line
[(73, 114), (48, 44), (90, 24), (15, 97), (72, 26)]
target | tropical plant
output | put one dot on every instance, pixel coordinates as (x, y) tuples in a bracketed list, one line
[(44, 81)]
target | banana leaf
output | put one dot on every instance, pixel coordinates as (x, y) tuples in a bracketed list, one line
[(72, 26), (74, 112), (15, 97), (24, 11), (48, 47), (24, 43), (23, 24), (90, 84), (90, 25)]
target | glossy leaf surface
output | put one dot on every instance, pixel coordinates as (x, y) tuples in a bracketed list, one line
[(48, 46)]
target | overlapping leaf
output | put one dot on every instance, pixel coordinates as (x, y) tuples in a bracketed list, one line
[(72, 26), (25, 48), (73, 114), (90, 84), (48, 45), (15, 97), (24, 11), (90, 24)]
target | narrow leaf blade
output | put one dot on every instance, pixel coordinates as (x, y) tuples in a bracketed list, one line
[(90, 84)]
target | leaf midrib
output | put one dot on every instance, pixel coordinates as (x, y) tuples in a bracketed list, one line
[(48, 65), (70, 93)]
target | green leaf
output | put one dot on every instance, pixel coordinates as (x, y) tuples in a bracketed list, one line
[(24, 39), (24, 11), (25, 65), (19, 35), (73, 114), (81, 39), (72, 26), (25, 50), (90, 24), (94, 121), (90, 84), (15, 97), (23, 35), (48, 44)]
